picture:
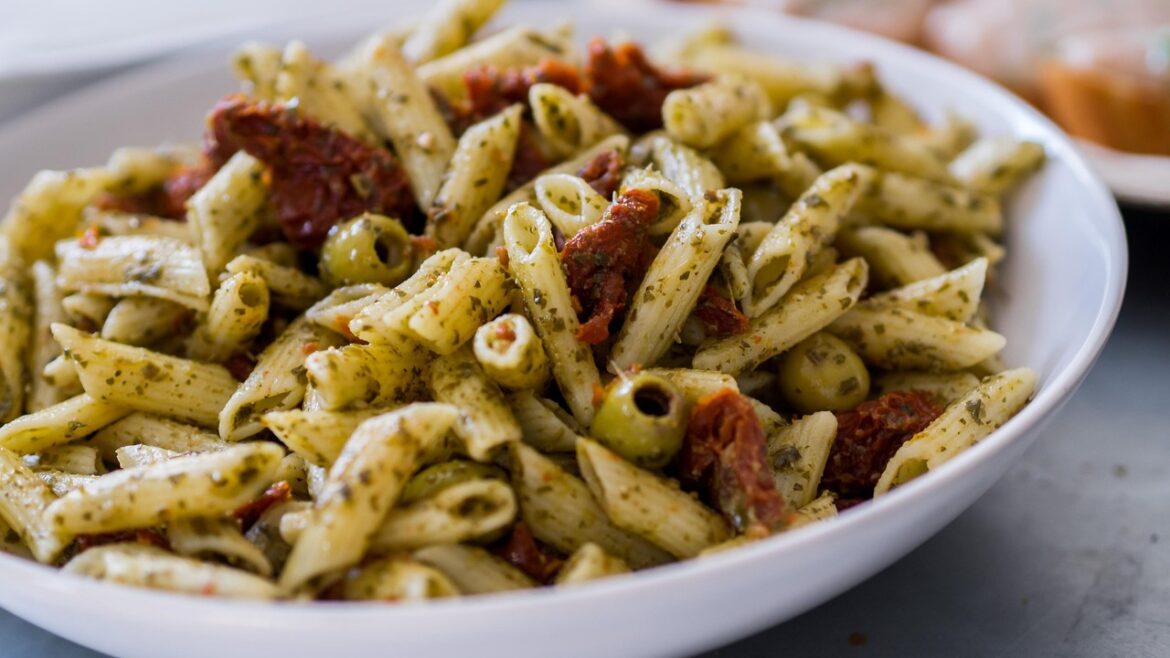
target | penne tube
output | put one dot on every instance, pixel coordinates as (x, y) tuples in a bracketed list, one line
[(588, 563), (964, 423), (317, 436), (471, 293), (510, 353), (568, 122), (226, 210), (336, 309), (288, 286), (947, 139), (473, 570), (278, 380), (23, 501), (220, 538), (255, 65), (381, 321), (396, 579), (357, 376), (16, 328), (808, 307), (316, 90), (781, 79), (674, 281), (361, 487), (183, 487), (996, 165), (475, 177), (821, 508), (511, 48), (143, 455), (798, 453), (685, 167), (559, 509), (536, 267), (42, 348), (897, 339), (485, 421), (147, 381), (447, 27), (954, 295), (49, 209), (399, 103), (238, 311), (59, 424), (703, 115), (911, 203), (71, 459), (143, 321), (87, 309), (136, 170), (782, 258), (569, 202), (634, 499), (463, 512), (945, 387), (155, 431), (113, 222), (895, 259), (154, 568), (756, 152), (674, 203), (543, 424), (120, 266)]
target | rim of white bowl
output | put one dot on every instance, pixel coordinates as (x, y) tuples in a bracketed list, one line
[(1047, 400)]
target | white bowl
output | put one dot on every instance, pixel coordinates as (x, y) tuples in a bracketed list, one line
[(1062, 286)]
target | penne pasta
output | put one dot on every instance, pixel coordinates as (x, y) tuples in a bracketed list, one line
[(705, 114), (543, 424), (287, 286), (317, 436), (163, 268), (462, 512), (568, 122), (798, 453), (238, 311), (569, 202), (473, 570), (510, 353), (155, 431), (485, 421), (447, 27), (144, 321), (42, 348), (59, 424), (898, 339), (398, 580), (154, 568), (226, 210), (996, 165), (588, 563), (895, 259), (23, 501)]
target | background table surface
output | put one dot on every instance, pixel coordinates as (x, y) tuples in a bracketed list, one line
[(1066, 556)]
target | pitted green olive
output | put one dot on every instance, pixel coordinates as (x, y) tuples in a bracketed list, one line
[(822, 373), (367, 249), (643, 418)]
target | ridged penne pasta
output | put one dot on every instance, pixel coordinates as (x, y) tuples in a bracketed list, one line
[(781, 79), (87, 309), (954, 295), (23, 501), (510, 352), (381, 321), (462, 512), (59, 424), (674, 202), (400, 105), (146, 429), (277, 382), (337, 308), (120, 266), (471, 293), (810, 306), (543, 424), (511, 48), (964, 423), (675, 280), (447, 27), (225, 211), (317, 436), (588, 563), (782, 258), (144, 321), (945, 387), (147, 381), (895, 338), (798, 453), (911, 203), (318, 91), (396, 579), (143, 455), (473, 570), (42, 348), (49, 209), (996, 165), (821, 508), (362, 485), (569, 202), (113, 222), (568, 122), (685, 167), (895, 259), (71, 459), (633, 499), (535, 266), (256, 66), (238, 311), (217, 537), (705, 114), (357, 376), (475, 177), (485, 421), (208, 484), (154, 568), (287, 286), (756, 152), (561, 512)]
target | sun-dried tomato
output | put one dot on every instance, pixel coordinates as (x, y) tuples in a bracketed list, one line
[(144, 537), (240, 366), (725, 455), (719, 314), (521, 551), (319, 176), (250, 512), (603, 261), (168, 199), (869, 435), (490, 90), (603, 172), (628, 87)]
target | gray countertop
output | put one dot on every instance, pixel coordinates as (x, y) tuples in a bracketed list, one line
[(1066, 556)]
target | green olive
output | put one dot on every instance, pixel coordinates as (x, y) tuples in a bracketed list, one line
[(822, 373), (433, 479), (643, 418), (367, 249)]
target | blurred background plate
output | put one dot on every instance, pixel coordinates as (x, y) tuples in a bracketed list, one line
[(1133, 178)]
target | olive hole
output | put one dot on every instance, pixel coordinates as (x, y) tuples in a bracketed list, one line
[(652, 401), (388, 251)]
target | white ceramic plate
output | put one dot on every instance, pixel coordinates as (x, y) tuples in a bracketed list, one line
[(1134, 178), (1062, 286)]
